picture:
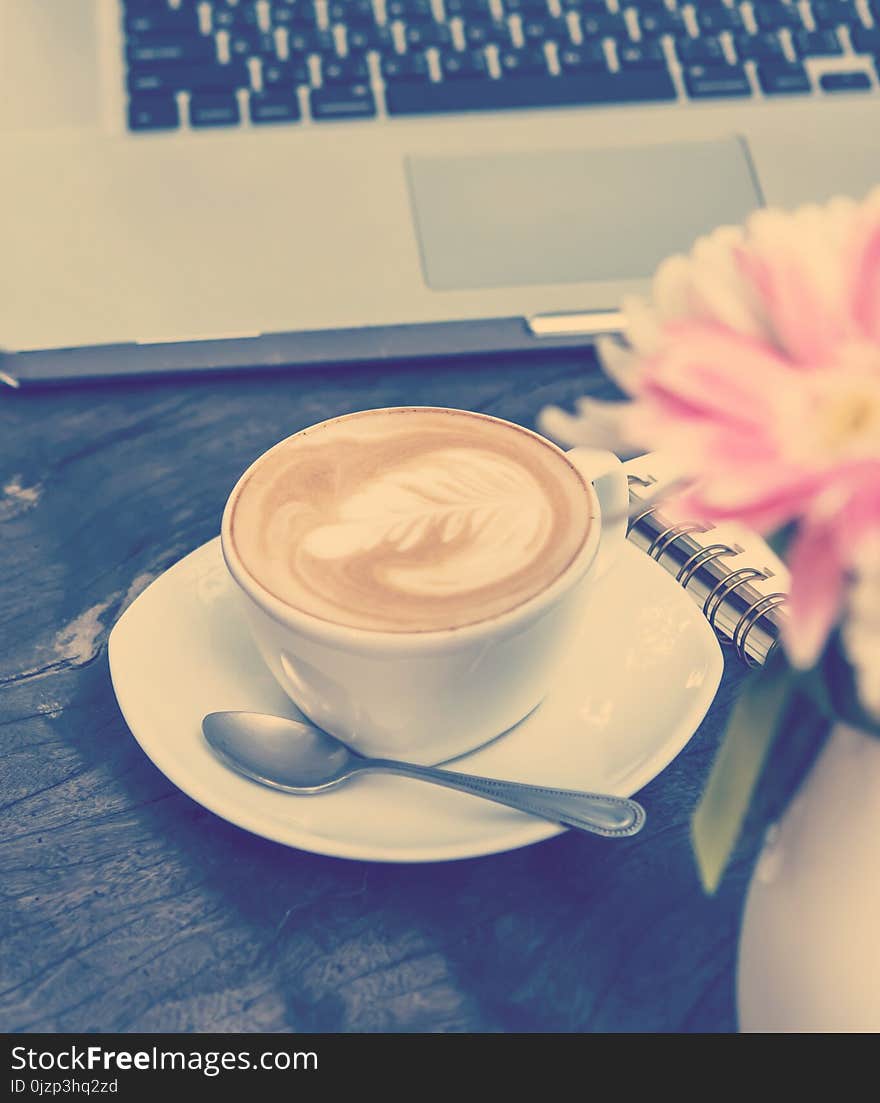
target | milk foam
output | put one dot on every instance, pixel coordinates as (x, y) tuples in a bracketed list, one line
[(409, 520)]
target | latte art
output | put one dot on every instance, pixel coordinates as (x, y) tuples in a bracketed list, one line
[(487, 509), (409, 520)]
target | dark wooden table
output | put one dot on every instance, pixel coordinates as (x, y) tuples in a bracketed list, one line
[(128, 907)]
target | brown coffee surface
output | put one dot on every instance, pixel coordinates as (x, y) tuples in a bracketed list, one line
[(409, 520)]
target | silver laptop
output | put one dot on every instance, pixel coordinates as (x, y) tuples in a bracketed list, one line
[(198, 185)]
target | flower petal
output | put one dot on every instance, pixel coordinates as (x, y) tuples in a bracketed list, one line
[(619, 362), (671, 288), (817, 579), (709, 372), (706, 286), (866, 283), (718, 292), (641, 324), (761, 498), (793, 262), (856, 523), (597, 424)]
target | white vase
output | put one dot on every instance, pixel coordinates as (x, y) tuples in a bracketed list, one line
[(809, 953)]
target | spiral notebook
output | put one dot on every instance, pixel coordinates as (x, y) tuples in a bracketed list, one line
[(728, 570)]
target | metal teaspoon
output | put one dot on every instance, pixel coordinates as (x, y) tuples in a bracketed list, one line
[(299, 758)]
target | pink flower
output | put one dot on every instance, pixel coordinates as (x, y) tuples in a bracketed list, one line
[(759, 371)]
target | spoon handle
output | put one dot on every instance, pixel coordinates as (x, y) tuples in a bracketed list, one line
[(593, 812)]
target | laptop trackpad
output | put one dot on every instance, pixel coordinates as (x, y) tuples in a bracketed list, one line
[(567, 216)]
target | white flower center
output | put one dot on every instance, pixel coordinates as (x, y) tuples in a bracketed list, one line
[(847, 410)]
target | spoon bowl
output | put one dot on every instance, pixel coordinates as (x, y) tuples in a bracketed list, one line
[(283, 754)]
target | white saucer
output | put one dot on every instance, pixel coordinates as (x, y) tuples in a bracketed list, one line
[(628, 697)]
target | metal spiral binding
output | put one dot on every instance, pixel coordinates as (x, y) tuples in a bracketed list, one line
[(742, 616), (704, 555), (662, 542), (716, 596)]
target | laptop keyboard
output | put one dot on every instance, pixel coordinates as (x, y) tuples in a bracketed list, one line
[(210, 63)]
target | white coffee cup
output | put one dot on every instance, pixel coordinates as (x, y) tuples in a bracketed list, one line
[(429, 696)]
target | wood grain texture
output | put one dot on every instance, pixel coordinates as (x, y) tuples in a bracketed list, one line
[(128, 907)]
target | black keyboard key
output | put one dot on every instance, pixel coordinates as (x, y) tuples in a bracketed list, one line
[(528, 62), (716, 20), (153, 113), (604, 26), (178, 78), (229, 17), (641, 55), (653, 24), (352, 12), (766, 46), (420, 36), (223, 19), (165, 50), (405, 67), (545, 30), (526, 7), (149, 80), (349, 70), (782, 79), (285, 74), (816, 44), (866, 40), (845, 82), (310, 42), (159, 20), (479, 34), (363, 38), (244, 44), (701, 51), (716, 81), (773, 16), (589, 56), (294, 13), (469, 9), (835, 13), (411, 11), (499, 95), (336, 102), (463, 65), (213, 109), (274, 107)]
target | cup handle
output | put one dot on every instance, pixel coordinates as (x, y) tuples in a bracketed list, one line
[(605, 472)]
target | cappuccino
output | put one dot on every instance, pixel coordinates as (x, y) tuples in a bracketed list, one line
[(410, 519)]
